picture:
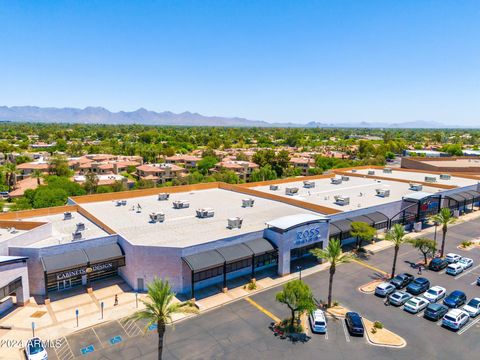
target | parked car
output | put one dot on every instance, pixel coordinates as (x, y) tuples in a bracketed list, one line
[(455, 319), (402, 280), (415, 305), (354, 323), (318, 321), (435, 293), (473, 307), (435, 311), (438, 264), (384, 289), (452, 258), (478, 281), (465, 262), (455, 299), (454, 269), (398, 298), (35, 350), (418, 286)]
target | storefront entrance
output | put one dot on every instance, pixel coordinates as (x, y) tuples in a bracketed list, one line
[(64, 284)]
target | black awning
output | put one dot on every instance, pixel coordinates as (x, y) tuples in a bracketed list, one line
[(260, 246), (342, 225), (377, 217), (103, 253), (475, 194), (68, 260), (204, 260), (235, 252), (362, 218), (458, 197), (333, 230)]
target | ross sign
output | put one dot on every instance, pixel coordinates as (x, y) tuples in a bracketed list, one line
[(307, 236), (83, 271)]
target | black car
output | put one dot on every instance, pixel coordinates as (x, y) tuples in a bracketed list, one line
[(438, 264), (402, 280), (354, 323), (418, 286), (435, 311), (455, 299)]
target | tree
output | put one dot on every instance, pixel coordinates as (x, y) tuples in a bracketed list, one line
[(362, 231), (37, 174), (206, 164), (91, 182), (262, 174), (425, 245), (59, 166), (335, 256), (396, 235), (159, 309), (11, 174), (298, 297), (444, 218)]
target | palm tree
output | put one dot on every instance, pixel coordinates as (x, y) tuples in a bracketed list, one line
[(396, 235), (11, 170), (335, 256), (159, 308), (37, 174), (444, 218)]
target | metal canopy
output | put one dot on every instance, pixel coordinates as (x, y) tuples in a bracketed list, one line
[(235, 252), (204, 260), (457, 197), (102, 253), (334, 230), (418, 196), (64, 261), (475, 194), (285, 223), (260, 246), (343, 225), (377, 217)]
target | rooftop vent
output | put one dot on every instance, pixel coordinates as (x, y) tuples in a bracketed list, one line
[(234, 223), (80, 226), (336, 180), (163, 196), (205, 213), (354, 170), (387, 171), (247, 202), (345, 178), (383, 192), (181, 204), (371, 172), (445, 177), (77, 235), (416, 187), (291, 191), (274, 187), (342, 200), (157, 217), (309, 184), (121, 202), (430, 179), (67, 215)]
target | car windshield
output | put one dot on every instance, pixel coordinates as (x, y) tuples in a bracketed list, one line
[(433, 292), (474, 302), (411, 302), (396, 296), (34, 347), (320, 323)]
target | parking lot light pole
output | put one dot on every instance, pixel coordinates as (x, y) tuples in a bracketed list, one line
[(299, 268), (33, 328), (101, 306), (76, 315), (136, 299)]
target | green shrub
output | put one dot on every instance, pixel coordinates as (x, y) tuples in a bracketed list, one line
[(377, 325)]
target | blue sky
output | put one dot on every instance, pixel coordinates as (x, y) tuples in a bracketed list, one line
[(330, 61)]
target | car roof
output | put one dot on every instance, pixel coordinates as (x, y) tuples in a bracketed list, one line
[(455, 312), (319, 314), (452, 254), (456, 293), (436, 306), (437, 287), (454, 265), (421, 280), (466, 259), (384, 284)]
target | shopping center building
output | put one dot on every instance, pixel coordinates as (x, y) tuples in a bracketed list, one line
[(211, 234)]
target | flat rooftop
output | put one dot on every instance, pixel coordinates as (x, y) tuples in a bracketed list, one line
[(361, 191), (419, 177), (7, 234), (181, 227), (460, 163)]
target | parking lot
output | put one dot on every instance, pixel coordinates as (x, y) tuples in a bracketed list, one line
[(240, 330)]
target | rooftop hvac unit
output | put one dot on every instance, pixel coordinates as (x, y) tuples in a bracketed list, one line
[(247, 202), (67, 215), (383, 192), (124, 202), (345, 178), (445, 176), (309, 184), (121, 202), (157, 217), (371, 172), (387, 171), (205, 213), (77, 235), (181, 204), (336, 180), (416, 187), (354, 170), (291, 190), (234, 223), (430, 179), (163, 196), (274, 187), (342, 200), (80, 226)]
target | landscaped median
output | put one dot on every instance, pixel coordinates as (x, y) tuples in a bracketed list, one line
[(369, 288), (379, 336)]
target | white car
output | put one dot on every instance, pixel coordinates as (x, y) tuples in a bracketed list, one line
[(35, 350), (473, 307), (455, 319), (435, 293), (452, 258), (415, 305), (384, 289), (454, 269), (318, 322), (465, 262)]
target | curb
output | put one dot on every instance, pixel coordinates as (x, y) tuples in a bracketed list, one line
[(373, 343)]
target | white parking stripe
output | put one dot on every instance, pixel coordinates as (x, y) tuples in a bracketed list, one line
[(345, 330), (420, 314), (474, 283), (466, 272), (439, 322), (442, 272), (468, 326), (326, 335)]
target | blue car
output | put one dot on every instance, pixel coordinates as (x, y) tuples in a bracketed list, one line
[(418, 286), (455, 299)]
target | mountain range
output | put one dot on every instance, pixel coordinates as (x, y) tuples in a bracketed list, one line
[(100, 115)]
